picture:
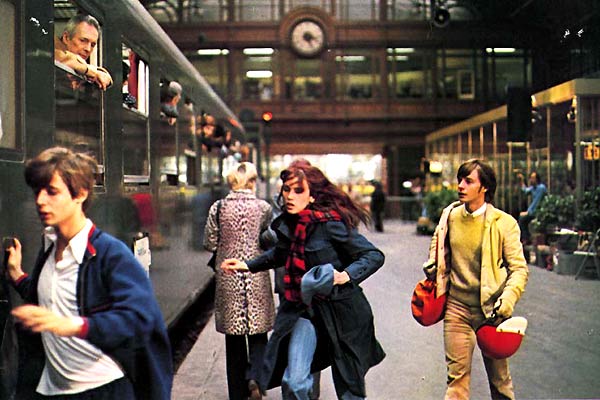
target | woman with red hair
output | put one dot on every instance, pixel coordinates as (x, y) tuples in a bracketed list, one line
[(324, 318)]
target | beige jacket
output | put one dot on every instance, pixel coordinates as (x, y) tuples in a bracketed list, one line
[(504, 271)]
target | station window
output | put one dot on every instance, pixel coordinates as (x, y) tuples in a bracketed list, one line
[(324, 5), (307, 82), (78, 101), (409, 72), (408, 10), (10, 137), (135, 84), (257, 10), (357, 76), (168, 11), (510, 67), (357, 10), (258, 74), (457, 70), (213, 66)]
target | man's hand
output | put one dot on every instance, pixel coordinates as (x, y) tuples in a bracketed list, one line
[(14, 260), (503, 309), (40, 319), (99, 76)]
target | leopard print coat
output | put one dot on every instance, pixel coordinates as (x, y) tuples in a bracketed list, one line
[(243, 301)]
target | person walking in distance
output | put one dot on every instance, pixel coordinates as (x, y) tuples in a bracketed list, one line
[(87, 299), (476, 258), (537, 190), (244, 306)]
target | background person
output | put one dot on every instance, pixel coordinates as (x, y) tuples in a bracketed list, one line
[(244, 307), (318, 231), (75, 45), (377, 205), (537, 190), (477, 258), (88, 300)]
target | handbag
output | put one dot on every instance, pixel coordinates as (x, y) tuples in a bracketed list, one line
[(427, 309), (213, 259)]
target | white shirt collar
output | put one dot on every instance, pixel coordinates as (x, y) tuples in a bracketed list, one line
[(476, 213), (77, 245)]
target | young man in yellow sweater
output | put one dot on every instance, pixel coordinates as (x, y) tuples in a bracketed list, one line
[(477, 258)]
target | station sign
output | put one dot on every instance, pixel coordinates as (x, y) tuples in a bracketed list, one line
[(591, 152)]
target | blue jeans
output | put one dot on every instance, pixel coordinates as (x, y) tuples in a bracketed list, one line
[(297, 380)]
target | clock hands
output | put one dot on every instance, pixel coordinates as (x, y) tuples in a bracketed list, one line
[(308, 37)]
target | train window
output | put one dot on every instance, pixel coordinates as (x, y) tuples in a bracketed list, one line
[(78, 100), (136, 164), (170, 162), (9, 136)]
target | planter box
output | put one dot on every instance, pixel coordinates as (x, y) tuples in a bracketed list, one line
[(568, 263)]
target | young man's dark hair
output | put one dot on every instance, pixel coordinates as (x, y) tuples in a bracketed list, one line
[(487, 176), (76, 170)]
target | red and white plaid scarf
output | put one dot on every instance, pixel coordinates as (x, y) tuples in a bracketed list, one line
[(295, 266)]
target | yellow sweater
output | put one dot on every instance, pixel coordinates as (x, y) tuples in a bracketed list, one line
[(466, 235)]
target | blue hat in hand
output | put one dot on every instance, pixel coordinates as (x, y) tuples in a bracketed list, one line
[(317, 281)]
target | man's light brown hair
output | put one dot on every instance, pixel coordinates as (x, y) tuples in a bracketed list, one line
[(76, 170)]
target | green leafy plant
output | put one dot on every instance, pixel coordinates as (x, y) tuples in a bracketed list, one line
[(555, 211), (435, 202), (588, 215)]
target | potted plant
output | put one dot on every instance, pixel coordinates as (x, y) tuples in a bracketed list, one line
[(435, 202), (553, 213)]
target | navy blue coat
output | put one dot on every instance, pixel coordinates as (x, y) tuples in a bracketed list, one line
[(123, 318), (347, 250)]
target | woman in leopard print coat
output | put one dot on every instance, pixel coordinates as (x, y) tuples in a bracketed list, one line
[(244, 308)]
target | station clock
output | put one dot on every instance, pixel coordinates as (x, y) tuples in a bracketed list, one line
[(307, 38)]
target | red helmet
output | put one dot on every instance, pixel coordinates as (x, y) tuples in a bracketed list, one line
[(426, 308), (501, 341)]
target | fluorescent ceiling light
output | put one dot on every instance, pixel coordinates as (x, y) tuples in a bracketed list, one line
[(398, 58), (501, 49), (261, 59), (212, 52), (264, 51), (259, 74), (401, 50), (350, 58)]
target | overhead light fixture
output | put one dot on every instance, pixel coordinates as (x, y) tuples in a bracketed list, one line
[(259, 51), (435, 167), (500, 50), (209, 52), (401, 50), (259, 74), (572, 113), (350, 58), (398, 58)]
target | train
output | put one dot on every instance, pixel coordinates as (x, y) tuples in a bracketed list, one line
[(156, 179)]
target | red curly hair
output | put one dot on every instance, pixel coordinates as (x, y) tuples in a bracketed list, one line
[(327, 195)]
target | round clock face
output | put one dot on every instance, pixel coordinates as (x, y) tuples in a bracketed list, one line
[(308, 38)]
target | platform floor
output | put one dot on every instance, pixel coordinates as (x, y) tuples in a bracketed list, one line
[(559, 358)]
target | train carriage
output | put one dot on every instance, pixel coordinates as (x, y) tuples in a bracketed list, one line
[(155, 178)]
